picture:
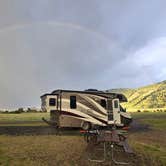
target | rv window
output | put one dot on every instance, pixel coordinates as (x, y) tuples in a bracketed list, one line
[(52, 102), (116, 104), (73, 103), (103, 103)]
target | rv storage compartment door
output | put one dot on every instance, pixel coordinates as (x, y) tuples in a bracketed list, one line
[(116, 111), (54, 116)]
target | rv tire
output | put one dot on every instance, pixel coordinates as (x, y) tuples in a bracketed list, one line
[(86, 126)]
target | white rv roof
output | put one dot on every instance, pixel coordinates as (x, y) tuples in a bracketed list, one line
[(121, 97)]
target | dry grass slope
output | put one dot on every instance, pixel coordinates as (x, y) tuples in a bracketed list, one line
[(152, 96)]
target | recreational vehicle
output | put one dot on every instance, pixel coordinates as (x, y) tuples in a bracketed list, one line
[(86, 109)]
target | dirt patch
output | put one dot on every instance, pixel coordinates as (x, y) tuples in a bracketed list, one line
[(37, 130), (137, 126), (27, 130)]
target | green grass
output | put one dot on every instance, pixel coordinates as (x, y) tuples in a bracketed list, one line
[(153, 142), (22, 117), (155, 153), (155, 120), (4, 160), (156, 123), (147, 115), (30, 123), (41, 150)]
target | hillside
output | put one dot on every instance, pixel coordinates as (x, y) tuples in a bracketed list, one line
[(151, 96)]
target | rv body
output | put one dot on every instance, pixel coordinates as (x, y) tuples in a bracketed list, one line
[(85, 109)]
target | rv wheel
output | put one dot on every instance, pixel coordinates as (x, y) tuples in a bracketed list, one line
[(86, 126)]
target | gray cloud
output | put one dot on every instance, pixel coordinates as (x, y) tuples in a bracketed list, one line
[(74, 44)]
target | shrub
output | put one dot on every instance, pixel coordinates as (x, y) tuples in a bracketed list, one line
[(145, 111), (19, 111), (31, 110)]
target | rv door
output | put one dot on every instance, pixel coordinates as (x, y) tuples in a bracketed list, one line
[(116, 111), (110, 111)]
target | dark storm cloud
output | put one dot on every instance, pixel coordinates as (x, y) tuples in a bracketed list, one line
[(74, 44)]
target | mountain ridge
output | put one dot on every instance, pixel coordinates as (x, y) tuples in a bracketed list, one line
[(149, 96)]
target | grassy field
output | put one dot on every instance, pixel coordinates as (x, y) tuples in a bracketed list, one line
[(23, 119), (155, 120), (40, 150), (144, 110), (150, 145)]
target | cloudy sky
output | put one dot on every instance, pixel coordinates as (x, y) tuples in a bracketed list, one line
[(78, 44)]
